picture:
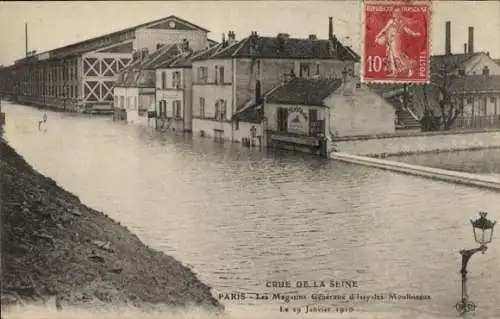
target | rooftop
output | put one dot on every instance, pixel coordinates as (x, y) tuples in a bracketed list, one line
[(285, 47), (136, 75), (182, 60), (304, 91), (184, 24), (476, 83), (250, 114)]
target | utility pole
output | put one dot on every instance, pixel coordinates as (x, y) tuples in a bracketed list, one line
[(26, 38)]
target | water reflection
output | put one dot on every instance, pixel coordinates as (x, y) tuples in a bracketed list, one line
[(241, 217)]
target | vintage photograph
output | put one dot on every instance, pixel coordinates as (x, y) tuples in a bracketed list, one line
[(249, 159)]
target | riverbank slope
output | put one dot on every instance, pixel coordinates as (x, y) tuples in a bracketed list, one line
[(56, 249)]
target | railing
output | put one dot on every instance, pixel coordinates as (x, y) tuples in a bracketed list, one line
[(478, 122)]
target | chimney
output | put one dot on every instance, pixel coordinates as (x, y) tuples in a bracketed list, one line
[(313, 37), (231, 37), (253, 42), (330, 28), (447, 38), (471, 40), (281, 42), (185, 45), (223, 39), (465, 47)]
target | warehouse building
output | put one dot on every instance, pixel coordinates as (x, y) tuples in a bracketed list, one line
[(81, 76)]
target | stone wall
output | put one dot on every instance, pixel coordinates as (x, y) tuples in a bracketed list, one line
[(412, 143)]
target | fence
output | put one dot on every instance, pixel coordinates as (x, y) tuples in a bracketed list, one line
[(491, 121)]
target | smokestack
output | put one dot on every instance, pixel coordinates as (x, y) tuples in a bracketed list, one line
[(26, 38), (330, 28), (471, 40), (447, 39), (465, 47)]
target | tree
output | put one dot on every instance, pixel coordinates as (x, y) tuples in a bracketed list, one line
[(441, 108)]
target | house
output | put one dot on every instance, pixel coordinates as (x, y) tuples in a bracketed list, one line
[(411, 101), (82, 74), (134, 91), (479, 99), (237, 74), (174, 91), (302, 113)]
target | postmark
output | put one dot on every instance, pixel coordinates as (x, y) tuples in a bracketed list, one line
[(396, 47)]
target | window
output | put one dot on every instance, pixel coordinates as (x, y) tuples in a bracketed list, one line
[(122, 102), (177, 109), (163, 108), (128, 103), (163, 80), (176, 79), (486, 70), (493, 99), (202, 74), (470, 100), (202, 107), (220, 110), (221, 75), (305, 70)]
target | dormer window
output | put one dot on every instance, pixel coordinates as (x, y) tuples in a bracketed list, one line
[(486, 70)]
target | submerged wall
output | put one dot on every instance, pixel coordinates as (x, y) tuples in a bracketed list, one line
[(418, 142)]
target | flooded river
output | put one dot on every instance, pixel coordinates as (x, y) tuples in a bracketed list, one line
[(242, 218)]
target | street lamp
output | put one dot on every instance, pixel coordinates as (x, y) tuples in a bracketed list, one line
[(483, 233)]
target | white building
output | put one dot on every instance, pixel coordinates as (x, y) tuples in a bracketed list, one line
[(134, 90), (302, 113), (237, 74), (174, 92)]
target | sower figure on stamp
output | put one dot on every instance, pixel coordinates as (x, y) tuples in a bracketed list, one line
[(391, 36)]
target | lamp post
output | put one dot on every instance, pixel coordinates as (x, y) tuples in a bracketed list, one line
[(483, 233)]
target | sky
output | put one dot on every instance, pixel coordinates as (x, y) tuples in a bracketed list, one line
[(55, 24)]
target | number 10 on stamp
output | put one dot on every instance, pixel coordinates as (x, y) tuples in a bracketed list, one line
[(396, 41)]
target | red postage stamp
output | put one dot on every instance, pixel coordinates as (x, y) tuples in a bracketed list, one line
[(396, 42)]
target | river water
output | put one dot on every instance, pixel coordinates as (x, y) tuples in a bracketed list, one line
[(242, 217)]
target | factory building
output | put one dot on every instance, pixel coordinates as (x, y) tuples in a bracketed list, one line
[(81, 76)]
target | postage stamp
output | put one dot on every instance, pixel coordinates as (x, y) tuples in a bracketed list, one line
[(396, 41)]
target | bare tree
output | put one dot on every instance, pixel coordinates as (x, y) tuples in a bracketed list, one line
[(439, 95)]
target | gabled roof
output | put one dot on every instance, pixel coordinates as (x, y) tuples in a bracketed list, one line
[(212, 42), (452, 62), (250, 114), (438, 63), (162, 55), (115, 33), (275, 47), (182, 60), (305, 91), (208, 52), (476, 83), (137, 75)]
